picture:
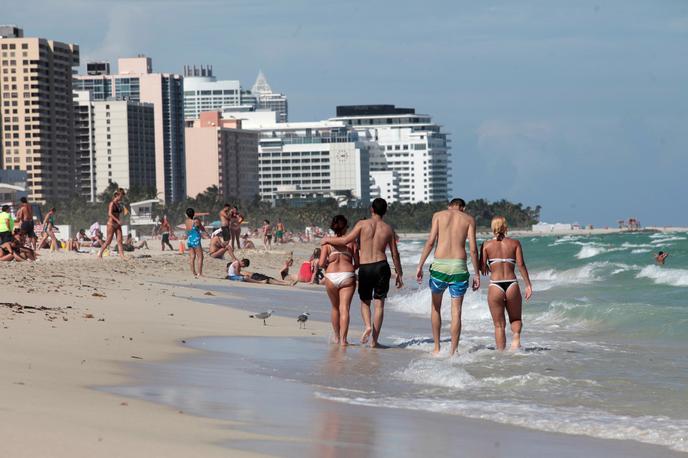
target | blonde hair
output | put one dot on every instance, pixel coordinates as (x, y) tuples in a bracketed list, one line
[(499, 227)]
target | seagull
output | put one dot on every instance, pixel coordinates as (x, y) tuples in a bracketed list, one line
[(302, 319), (262, 316)]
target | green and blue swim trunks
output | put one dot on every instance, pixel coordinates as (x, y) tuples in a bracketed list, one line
[(449, 273)]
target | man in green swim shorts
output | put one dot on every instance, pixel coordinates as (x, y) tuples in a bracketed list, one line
[(450, 228)]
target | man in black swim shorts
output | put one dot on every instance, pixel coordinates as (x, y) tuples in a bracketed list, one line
[(374, 274)]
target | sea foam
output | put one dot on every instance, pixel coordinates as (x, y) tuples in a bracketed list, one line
[(665, 276)]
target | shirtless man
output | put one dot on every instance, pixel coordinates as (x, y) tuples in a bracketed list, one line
[(25, 219), (449, 231), (219, 246), (224, 221), (374, 274), (661, 257)]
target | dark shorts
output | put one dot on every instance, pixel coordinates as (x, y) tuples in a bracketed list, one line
[(27, 226), (259, 277), (166, 238), (225, 233), (373, 280), (5, 237)]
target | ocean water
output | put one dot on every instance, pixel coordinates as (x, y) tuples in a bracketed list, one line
[(605, 338)]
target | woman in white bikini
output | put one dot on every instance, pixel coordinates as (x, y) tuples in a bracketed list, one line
[(340, 280), (499, 258)]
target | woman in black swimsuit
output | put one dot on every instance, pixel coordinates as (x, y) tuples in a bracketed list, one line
[(114, 224), (498, 258)]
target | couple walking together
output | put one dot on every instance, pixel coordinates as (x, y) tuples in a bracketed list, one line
[(450, 229), (363, 248)]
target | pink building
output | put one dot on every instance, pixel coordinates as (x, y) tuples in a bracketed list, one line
[(220, 153)]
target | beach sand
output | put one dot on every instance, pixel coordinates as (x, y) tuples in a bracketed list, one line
[(105, 317)]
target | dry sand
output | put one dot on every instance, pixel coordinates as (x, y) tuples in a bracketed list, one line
[(98, 316)]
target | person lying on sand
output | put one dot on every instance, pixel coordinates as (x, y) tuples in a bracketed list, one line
[(235, 273)]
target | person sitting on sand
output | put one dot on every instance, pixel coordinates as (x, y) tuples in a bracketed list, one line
[(235, 273), (284, 273), (247, 244), (219, 246), (661, 257), (308, 272), (130, 246), (499, 257), (342, 261)]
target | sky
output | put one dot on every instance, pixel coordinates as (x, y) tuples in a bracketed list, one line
[(580, 107)]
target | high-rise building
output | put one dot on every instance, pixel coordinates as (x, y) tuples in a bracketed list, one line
[(115, 144), (410, 144), (203, 92), (384, 184), (36, 111), (136, 81), (268, 100), (309, 160), (220, 153)]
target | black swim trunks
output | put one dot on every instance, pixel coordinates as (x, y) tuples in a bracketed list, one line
[(225, 233), (27, 227), (5, 237), (259, 277), (373, 280), (165, 237)]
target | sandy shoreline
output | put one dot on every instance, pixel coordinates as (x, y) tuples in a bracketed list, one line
[(51, 358), (106, 316)]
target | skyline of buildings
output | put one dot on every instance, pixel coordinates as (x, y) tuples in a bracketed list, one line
[(239, 140), (137, 82)]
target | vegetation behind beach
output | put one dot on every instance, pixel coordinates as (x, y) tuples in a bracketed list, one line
[(80, 213)]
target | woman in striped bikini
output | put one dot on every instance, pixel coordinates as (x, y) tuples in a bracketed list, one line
[(499, 258)]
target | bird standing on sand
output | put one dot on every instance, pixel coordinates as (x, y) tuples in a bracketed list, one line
[(262, 316), (302, 319)]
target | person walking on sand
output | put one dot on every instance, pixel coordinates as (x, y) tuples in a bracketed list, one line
[(374, 274), (114, 224), (193, 242), (267, 234), (499, 257), (165, 229), (340, 280), (448, 234), (26, 224), (49, 231)]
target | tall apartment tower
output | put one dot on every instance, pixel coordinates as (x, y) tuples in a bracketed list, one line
[(203, 92), (115, 144), (268, 100), (220, 153), (409, 144), (36, 111), (136, 81)]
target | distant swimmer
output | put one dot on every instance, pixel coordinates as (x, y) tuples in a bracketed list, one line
[(499, 257), (449, 270), (661, 257)]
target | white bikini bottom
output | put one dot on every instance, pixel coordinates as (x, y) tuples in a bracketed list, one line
[(338, 278)]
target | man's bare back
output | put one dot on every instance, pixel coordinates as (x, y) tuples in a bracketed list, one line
[(374, 237), (452, 228)]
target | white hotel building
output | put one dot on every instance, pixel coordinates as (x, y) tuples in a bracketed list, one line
[(410, 145), (303, 161)]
